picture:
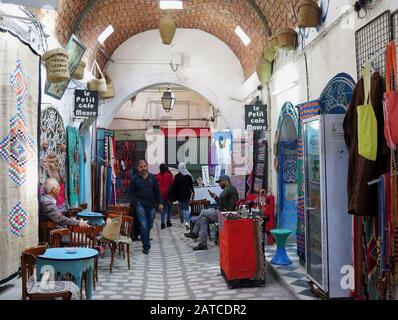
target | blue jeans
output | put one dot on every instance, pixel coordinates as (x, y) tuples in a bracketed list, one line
[(166, 209), (145, 217), (184, 207)]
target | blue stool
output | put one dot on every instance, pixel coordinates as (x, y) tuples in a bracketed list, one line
[(281, 257)]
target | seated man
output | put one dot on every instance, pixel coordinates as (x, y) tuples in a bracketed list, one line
[(49, 209), (225, 202)]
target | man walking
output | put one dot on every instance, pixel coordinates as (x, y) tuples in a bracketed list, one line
[(146, 198), (225, 202)]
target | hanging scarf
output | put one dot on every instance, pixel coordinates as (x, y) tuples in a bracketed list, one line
[(183, 169)]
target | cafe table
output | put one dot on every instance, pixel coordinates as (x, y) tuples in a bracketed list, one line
[(92, 218), (74, 261)]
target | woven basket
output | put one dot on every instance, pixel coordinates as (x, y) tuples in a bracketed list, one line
[(264, 70), (167, 29), (79, 72), (275, 42), (97, 84), (269, 54), (286, 38), (309, 14), (57, 65), (110, 91)]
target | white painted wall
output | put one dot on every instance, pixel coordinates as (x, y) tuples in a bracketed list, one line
[(147, 105), (332, 53), (209, 68)]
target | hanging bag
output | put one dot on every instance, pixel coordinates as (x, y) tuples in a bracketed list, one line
[(97, 84), (391, 97), (367, 122)]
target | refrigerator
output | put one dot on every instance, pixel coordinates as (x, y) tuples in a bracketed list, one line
[(328, 226)]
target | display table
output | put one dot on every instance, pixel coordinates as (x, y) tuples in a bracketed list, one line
[(202, 193), (72, 261), (241, 256), (92, 218)]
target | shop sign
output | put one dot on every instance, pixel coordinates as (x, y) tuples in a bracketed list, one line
[(86, 104), (256, 117)]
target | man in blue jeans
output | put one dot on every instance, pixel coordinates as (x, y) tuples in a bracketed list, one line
[(146, 198)]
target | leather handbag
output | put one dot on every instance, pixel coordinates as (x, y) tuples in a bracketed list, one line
[(112, 229), (391, 97)]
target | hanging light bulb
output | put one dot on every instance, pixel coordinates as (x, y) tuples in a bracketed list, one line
[(168, 100)]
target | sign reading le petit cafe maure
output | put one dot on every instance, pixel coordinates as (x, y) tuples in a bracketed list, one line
[(86, 104), (256, 117)]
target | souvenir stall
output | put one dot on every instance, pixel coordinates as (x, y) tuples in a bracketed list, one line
[(222, 151), (19, 145), (130, 146), (285, 150), (103, 171), (53, 151), (242, 161), (242, 260)]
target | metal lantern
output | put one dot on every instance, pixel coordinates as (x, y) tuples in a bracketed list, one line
[(168, 100)]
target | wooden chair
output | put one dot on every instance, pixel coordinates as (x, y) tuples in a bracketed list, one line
[(124, 240), (72, 212), (118, 209), (196, 208), (56, 237), (45, 226), (83, 206), (31, 288), (85, 238)]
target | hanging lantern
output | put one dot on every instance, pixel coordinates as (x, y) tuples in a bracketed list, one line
[(264, 70), (167, 29), (309, 14), (168, 100)]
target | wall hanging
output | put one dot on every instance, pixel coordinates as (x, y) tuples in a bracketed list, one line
[(97, 84), (79, 72), (20, 106), (53, 150), (264, 70), (73, 166)]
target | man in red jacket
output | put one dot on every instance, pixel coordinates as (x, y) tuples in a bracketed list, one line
[(165, 180)]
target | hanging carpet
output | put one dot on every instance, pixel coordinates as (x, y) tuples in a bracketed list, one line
[(19, 180), (73, 165)]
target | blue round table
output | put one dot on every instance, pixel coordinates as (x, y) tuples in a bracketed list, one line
[(68, 260), (93, 218)]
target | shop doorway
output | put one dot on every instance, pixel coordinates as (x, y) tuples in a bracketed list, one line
[(286, 155)]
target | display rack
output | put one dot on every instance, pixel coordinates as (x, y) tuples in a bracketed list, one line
[(260, 179)]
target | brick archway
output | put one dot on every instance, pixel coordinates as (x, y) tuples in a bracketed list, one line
[(259, 18)]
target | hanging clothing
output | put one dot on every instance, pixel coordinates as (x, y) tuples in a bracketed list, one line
[(362, 198)]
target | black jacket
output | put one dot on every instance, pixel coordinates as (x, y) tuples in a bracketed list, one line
[(182, 187)]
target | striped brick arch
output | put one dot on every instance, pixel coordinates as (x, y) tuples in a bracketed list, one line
[(258, 18)]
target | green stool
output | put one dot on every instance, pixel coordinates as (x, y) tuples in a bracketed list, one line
[(280, 236)]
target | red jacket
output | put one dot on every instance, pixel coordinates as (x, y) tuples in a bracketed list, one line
[(165, 180)]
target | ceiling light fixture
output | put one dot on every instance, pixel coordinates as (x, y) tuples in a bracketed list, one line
[(171, 4), (105, 34), (168, 100), (242, 35)]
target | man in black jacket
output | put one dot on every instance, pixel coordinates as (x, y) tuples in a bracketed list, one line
[(146, 198)]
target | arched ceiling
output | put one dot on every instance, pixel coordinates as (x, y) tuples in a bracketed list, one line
[(258, 18)]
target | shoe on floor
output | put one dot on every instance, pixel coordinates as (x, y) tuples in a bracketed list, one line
[(191, 235), (145, 251), (200, 246), (162, 226), (168, 224)]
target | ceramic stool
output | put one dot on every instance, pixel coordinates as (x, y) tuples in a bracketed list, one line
[(280, 236)]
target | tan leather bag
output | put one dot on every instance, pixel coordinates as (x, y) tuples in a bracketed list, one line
[(112, 228)]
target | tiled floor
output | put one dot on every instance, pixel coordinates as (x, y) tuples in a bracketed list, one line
[(171, 271), (291, 276)]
